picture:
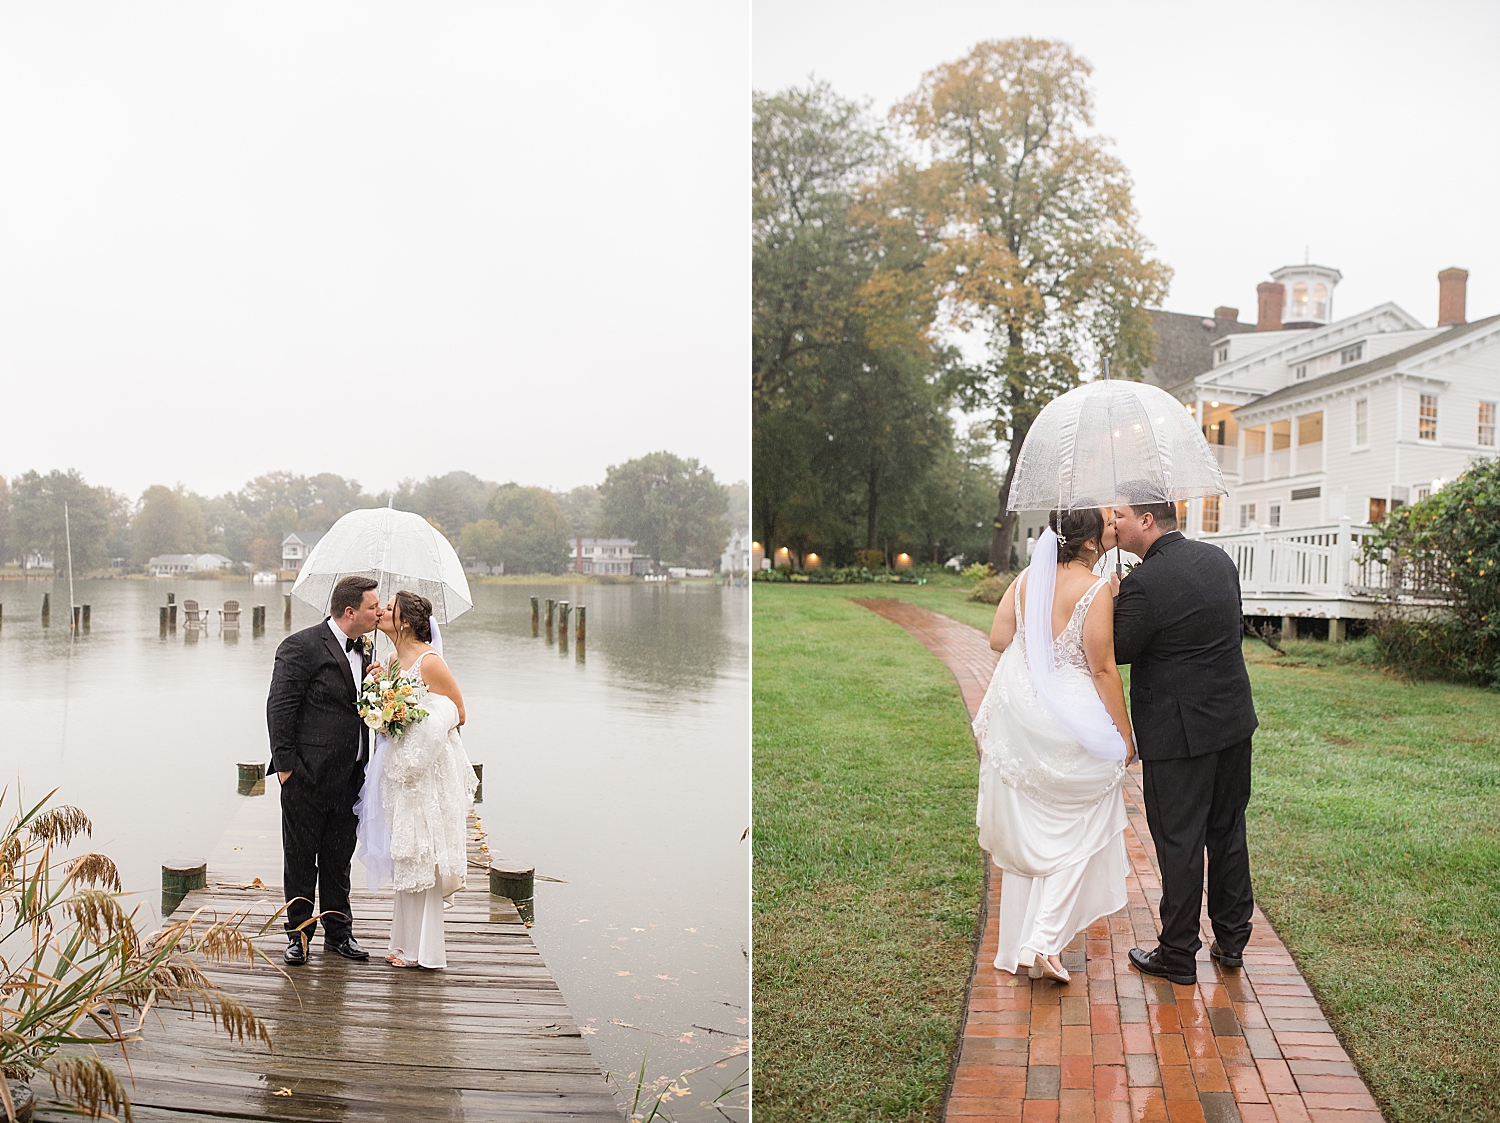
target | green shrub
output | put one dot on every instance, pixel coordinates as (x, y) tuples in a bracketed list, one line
[(992, 588), (1450, 542), (869, 559), (977, 572)]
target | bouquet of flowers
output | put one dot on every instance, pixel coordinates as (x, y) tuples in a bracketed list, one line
[(390, 703)]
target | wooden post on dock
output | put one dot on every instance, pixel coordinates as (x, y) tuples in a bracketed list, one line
[(163, 619), (514, 880), (562, 617), (252, 779), (178, 880), (479, 788), (287, 614), (257, 619), (171, 617), (535, 616), (88, 610), (551, 608), (46, 610), (582, 630), (77, 616), (171, 598)]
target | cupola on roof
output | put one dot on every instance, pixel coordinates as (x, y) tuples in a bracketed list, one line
[(1309, 294)]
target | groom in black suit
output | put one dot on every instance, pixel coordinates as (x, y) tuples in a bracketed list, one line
[(1178, 623), (319, 747)]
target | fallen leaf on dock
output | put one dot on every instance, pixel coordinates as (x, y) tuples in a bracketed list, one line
[(622, 973), (587, 1029), (282, 1092)]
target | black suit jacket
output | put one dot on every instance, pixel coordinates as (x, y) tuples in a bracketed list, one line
[(1178, 623), (315, 729)]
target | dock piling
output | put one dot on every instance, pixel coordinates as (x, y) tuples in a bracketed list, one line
[(535, 615), (88, 610), (46, 610), (287, 613), (479, 788), (582, 629), (252, 779), (171, 617), (178, 879), (77, 616), (517, 882), (163, 619)]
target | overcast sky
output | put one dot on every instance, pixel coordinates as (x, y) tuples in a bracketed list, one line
[(378, 240), (1360, 133)]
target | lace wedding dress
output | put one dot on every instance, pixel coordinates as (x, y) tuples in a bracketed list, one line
[(1051, 816), (425, 785)]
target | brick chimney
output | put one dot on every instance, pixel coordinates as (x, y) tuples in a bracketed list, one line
[(1225, 313), (1270, 295), (1453, 285)]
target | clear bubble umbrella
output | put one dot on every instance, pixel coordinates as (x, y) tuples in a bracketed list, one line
[(399, 549), (1109, 442)]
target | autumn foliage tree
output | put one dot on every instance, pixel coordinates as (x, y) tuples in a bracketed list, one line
[(1038, 244)]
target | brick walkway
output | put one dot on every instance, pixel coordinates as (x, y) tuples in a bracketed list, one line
[(1114, 1045)]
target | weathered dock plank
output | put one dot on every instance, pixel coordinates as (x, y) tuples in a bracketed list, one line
[(489, 1038)]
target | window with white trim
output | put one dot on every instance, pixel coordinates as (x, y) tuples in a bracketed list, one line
[(1351, 354), (1274, 516), (1361, 422), (1247, 514), (1486, 424), (1301, 371), (1427, 418), (1221, 355), (1211, 515)]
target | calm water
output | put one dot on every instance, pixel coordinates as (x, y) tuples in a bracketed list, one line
[(624, 775)]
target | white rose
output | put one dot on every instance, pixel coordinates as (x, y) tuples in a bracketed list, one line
[(372, 720)]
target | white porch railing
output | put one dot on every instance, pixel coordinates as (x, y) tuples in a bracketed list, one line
[(1318, 561), (1227, 456)]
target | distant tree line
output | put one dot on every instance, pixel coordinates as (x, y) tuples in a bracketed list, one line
[(674, 509), (978, 252)]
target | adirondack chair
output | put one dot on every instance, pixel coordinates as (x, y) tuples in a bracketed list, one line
[(229, 615), (191, 616)]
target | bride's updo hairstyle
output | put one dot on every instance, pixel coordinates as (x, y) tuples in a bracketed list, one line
[(416, 614), (1073, 529)]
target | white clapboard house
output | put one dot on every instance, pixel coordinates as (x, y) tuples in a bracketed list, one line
[(1323, 425)]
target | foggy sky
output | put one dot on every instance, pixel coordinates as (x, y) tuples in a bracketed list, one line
[(378, 240), (1361, 131)]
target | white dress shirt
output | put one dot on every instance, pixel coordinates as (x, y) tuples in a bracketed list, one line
[(354, 656)]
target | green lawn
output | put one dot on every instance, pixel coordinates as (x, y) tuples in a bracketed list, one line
[(1373, 831), (867, 878)]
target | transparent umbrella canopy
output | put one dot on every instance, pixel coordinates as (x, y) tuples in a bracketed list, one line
[(399, 549), (1109, 442)]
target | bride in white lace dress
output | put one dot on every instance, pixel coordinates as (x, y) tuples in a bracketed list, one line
[(414, 807), (1054, 738)]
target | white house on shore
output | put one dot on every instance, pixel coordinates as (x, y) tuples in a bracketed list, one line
[(736, 556), (296, 546), (616, 556), (178, 565), (1323, 425)]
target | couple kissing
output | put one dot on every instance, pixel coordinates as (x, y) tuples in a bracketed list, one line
[(401, 800)]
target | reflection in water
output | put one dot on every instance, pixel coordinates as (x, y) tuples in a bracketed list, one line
[(621, 771)]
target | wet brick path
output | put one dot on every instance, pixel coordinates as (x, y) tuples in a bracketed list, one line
[(1113, 1045)]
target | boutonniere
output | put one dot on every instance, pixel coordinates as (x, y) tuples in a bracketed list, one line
[(367, 644)]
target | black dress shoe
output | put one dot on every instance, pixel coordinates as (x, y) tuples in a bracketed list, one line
[(1150, 963), (1223, 958), (347, 948), (296, 951)]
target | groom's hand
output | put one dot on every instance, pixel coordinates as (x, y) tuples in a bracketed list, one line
[(1114, 584), (283, 775)]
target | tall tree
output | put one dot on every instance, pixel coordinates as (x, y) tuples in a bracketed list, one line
[(531, 536), (1040, 247), (167, 521), (38, 506), (4, 520), (450, 502), (673, 508), (845, 398)]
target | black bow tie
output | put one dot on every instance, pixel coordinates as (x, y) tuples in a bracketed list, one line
[(350, 645)]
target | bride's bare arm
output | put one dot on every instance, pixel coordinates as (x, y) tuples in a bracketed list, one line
[(1003, 631), (1099, 647), (440, 680)]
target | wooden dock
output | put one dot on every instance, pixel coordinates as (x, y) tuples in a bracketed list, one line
[(489, 1038)]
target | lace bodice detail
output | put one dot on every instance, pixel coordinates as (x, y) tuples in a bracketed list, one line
[(1067, 648)]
